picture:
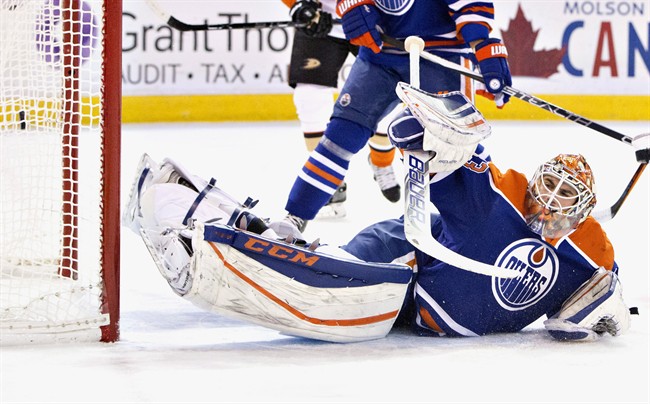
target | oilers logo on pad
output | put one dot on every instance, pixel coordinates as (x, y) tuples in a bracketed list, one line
[(394, 7), (538, 266)]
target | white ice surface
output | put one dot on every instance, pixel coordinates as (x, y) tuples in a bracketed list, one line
[(172, 352)]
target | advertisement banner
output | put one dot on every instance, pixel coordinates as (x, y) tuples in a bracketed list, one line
[(160, 60), (564, 48), (578, 46)]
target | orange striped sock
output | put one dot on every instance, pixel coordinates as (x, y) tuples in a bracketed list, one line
[(381, 158)]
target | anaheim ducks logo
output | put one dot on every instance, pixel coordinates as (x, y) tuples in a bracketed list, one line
[(394, 7), (311, 63), (538, 266)]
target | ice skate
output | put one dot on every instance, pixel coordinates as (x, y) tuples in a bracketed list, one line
[(170, 250), (385, 178), (289, 227), (335, 208)]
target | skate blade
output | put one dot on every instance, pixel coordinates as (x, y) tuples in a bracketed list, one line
[(332, 211)]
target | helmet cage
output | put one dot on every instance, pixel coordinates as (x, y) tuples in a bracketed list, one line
[(550, 213)]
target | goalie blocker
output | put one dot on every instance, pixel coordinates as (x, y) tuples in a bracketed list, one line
[(195, 234)]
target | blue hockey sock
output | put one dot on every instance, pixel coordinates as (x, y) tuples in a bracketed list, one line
[(318, 180)]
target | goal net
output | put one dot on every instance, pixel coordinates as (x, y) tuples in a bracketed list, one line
[(59, 168)]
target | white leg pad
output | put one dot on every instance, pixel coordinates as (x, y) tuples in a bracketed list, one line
[(229, 281)]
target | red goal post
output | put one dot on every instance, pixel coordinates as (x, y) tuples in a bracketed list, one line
[(60, 118)]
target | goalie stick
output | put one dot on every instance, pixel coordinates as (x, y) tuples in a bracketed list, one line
[(417, 216), (182, 26), (642, 153)]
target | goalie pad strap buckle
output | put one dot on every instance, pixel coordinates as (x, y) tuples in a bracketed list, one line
[(198, 200), (250, 202)]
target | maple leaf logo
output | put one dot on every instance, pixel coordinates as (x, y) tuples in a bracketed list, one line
[(523, 60)]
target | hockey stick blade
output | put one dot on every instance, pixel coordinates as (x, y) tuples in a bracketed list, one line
[(608, 214), (417, 221), (182, 26), (513, 92)]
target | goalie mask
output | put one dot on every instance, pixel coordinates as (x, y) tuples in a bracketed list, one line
[(560, 196)]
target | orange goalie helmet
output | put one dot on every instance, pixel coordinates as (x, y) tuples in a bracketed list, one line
[(560, 196)]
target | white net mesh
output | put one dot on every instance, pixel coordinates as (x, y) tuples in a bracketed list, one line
[(50, 165)]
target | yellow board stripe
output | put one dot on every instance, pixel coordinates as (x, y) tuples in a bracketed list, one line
[(279, 107), (592, 107), (208, 108)]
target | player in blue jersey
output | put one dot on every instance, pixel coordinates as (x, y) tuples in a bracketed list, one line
[(455, 30), (318, 54)]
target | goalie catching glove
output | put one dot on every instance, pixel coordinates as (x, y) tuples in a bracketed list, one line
[(446, 124), (596, 308)]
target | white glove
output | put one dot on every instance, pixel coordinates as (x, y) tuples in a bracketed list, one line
[(596, 308), (453, 126), (448, 157)]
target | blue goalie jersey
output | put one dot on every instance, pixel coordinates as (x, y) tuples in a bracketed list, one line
[(481, 218)]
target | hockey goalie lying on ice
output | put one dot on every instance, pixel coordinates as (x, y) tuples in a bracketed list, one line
[(217, 254)]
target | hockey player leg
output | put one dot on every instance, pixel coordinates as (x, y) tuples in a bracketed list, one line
[(323, 173), (381, 156), (596, 308), (335, 207), (314, 107)]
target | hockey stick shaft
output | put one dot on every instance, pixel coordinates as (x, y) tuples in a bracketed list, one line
[(182, 26), (513, 92), (608, 214), (417, 221)]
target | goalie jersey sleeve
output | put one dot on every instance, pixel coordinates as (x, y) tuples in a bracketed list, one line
[(481, 214)]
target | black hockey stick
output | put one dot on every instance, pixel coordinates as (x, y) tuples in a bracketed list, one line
[(182, 26), (513, 92)]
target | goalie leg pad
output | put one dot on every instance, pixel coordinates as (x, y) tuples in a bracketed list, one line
[(158, 210), (596, 308), (293, 290), (201, 200)]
